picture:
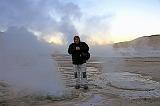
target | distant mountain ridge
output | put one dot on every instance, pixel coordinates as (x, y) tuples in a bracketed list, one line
[(146, 42)]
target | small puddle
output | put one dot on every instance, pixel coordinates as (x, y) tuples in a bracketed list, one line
[(129, 85), (128, 81), (94, 100)]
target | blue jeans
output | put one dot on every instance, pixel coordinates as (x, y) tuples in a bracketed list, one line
[(80, 74)]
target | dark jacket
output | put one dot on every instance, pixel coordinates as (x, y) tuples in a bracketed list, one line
[(77, 57)]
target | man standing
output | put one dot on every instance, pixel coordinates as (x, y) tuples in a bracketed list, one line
[(77, 49)]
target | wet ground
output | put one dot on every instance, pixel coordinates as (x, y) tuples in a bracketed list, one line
[(112, 82), (116, 81)]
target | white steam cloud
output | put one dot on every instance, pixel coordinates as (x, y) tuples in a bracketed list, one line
[(26, 63), (46, 16)]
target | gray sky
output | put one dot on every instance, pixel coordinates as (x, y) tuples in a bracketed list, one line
[(97, 22)]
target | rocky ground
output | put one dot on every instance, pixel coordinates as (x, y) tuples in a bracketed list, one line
[(112, 82)]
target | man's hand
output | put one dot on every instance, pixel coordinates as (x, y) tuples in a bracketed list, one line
[(77, 48)]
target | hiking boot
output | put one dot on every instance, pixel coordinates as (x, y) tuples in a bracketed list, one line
[(77, 86), (85, 87)]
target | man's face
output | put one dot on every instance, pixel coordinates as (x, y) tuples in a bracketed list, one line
[(76, 40)]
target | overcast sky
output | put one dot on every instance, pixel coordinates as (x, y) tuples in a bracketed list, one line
[(96, 21)]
